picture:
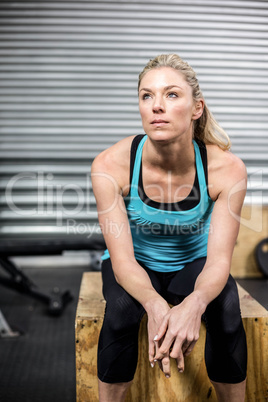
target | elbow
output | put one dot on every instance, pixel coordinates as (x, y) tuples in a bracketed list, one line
[(117, 278), (121, 280), (120, 270)]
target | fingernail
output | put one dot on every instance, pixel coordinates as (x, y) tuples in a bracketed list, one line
[(167, 376), (180, 370), (152, 365), (156, 338), (155, 360)]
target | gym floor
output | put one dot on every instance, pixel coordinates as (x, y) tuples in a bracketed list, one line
[(39, 365)]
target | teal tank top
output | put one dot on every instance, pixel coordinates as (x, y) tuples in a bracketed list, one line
[(167, 236)]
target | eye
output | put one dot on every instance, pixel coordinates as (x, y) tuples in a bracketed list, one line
[(172, 95), (146, 96)]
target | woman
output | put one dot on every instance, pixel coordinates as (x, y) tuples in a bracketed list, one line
[(169, 204)]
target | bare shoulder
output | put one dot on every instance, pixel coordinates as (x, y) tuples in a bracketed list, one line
[(225, 169), (115, 161)]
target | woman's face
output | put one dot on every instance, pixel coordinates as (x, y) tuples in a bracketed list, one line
[(166, 105)]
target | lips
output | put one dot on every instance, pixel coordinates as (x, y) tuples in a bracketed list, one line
[(159, 121)]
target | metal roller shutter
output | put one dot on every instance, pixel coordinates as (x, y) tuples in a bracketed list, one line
[(68, 77)]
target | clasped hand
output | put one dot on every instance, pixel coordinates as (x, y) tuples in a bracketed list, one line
[(173, 333)]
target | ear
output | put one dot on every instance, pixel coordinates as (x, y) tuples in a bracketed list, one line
[(198, 109)]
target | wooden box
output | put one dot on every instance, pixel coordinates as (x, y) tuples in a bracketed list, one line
[(150, 385)]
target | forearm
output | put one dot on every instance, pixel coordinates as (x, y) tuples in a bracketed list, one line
[(211, 282)]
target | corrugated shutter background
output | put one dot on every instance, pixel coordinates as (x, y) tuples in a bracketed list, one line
[(68, 77)]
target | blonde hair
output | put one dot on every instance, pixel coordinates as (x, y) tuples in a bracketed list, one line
[(206, 127)]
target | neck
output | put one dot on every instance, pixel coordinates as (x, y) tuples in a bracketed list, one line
[(175, 156)]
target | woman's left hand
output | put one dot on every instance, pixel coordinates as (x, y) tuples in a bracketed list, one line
[(179, 330)]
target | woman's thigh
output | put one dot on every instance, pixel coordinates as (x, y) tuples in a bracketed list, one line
[(226, 348), (117, 299), (118, 341), (182, 282)]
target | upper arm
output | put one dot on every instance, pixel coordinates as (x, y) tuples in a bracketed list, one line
[(108, 179), (225, 220)]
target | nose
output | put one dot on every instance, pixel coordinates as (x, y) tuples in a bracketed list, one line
[(158, 105)]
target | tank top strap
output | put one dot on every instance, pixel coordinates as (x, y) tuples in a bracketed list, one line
[(200, 169), (136, 168)]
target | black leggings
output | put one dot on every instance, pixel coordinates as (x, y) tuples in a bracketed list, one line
[(225, 351)]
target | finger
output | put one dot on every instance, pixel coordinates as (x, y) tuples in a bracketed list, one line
[(166, 366), (164, 349), (159, 362), (177, 354), (180, 362), (185, 346), (162, 329), (151, 352), (176, 349), (190, 348)]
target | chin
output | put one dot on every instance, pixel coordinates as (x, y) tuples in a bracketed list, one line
[(161, 135)]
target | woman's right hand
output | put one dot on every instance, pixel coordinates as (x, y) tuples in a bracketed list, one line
[(156, 311)]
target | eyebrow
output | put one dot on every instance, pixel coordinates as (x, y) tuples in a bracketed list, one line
[(165, 88)]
